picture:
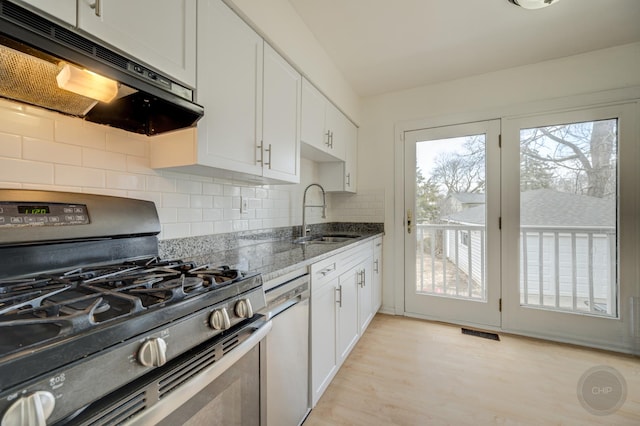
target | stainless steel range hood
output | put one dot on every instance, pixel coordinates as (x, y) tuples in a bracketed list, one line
[(34, 51)]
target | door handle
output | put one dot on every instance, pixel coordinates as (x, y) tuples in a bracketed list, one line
[(339, 290), (409, 220)]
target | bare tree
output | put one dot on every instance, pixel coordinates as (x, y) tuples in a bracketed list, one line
[(461, 172), (584, 150)]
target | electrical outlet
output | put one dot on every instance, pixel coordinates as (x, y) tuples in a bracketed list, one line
[(244, 205)]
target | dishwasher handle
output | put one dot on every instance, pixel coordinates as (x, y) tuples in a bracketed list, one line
[(284, 296)]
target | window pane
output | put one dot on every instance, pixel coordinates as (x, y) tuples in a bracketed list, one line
[(450, 217), (568, 227)]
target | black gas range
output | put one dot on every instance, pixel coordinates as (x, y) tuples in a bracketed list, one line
[(87, 308)]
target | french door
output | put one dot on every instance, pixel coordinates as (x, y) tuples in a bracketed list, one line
[(452, 207), (528, 224), (570, 226)]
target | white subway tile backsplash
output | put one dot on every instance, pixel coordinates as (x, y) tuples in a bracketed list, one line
[(10, 146), (212, 189), (168, 214), (14, 170), (231, 191), (175, 230), (139, 165), (77, 132), (160, 184), (201, 228), (201, 201), (81, 176), (156, 197), (125, 181), (211, 215), (19, 123), (100, 159), (189, 215), (188, 187), (106, 191), (175, 200), (222, 202), (126, 143), (222, 226)]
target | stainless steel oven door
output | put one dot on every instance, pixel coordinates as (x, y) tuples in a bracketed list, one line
[(226, 393)]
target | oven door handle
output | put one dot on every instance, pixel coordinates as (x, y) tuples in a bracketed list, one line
[(159, 411)]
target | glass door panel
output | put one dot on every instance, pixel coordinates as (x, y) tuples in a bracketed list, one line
[(448, 179), (568, 226)]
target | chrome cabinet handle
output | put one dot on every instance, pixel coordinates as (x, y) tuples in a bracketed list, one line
[(376, 266), (349, 179), (328, 142), (409, 219), (96, 8), (269, 150), (261, 148), (339, 291), (328, 269), (331, 140)]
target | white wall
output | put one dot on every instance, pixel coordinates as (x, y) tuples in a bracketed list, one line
[(278, 22), (476, 98)]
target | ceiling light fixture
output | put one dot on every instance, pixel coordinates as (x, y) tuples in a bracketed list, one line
[(87, 83), (533, 4)]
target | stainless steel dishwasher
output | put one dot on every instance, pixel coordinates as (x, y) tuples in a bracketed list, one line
[(285, 352)]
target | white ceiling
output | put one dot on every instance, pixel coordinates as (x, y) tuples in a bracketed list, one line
[(387, 45)]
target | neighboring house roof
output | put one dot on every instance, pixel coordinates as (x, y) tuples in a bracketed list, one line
[(546, 207), (468, 197)]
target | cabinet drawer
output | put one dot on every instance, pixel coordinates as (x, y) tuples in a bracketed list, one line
[(324, 271)]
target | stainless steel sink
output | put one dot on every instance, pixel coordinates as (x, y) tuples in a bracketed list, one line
[(325, 239)]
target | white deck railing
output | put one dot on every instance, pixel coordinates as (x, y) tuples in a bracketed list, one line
[(561, 268)]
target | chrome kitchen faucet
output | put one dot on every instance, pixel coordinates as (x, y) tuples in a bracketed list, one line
[(305, 229)]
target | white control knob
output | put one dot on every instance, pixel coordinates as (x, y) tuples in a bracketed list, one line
[(153, 352), (31, 410), (243, 308), (219, 319)]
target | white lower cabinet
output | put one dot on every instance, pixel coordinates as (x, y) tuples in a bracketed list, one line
[(342, 306)]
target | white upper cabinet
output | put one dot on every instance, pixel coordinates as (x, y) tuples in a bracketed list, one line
[(161, 33), (230, 89), (64, 10), (321, 134), (251, 95), (281, 118), (340, 176)]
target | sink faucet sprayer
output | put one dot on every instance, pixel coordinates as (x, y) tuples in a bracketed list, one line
[(305, 229)]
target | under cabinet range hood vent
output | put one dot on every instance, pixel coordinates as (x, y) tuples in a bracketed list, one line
[(48, 65)]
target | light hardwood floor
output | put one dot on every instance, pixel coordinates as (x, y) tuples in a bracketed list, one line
[(405, 371)]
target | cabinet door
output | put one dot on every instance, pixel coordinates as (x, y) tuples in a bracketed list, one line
[(323, 338), (161, 33), (313, 132), (336, 123), (377, 275), (365, 294), (65, 10), (230, 89), (347, 318), (351, 158), (281, 118)]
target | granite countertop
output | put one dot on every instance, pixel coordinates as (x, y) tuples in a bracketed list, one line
[(272, 253)]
